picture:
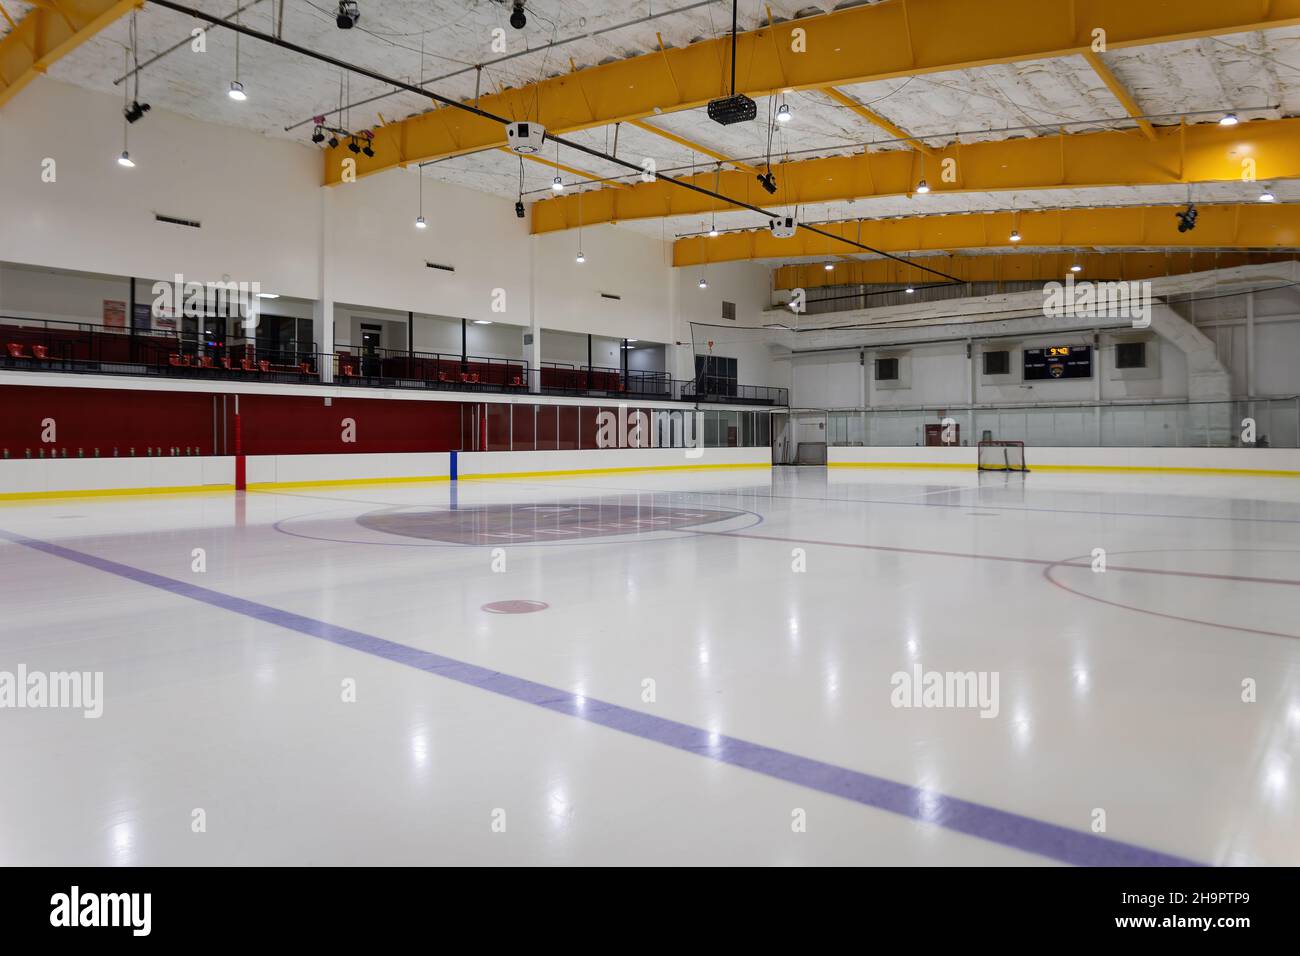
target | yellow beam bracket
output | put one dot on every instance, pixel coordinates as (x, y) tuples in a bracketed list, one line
[(875, 118), (1248, 226), (1119, 91), (1266, 150), (1023, 267), (854, 45), (48, 33)]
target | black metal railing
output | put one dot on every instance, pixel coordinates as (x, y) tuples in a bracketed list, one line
[(54, 345)]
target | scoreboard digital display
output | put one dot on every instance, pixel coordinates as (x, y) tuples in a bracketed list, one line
[(1058, 361)]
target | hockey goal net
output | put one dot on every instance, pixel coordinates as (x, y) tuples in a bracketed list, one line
[(1002, 456)]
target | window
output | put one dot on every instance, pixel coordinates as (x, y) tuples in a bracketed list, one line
[(1131, 355), (715, 375), (886, 370), (997, 363)]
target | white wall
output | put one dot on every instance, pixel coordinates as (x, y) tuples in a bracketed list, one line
[(28, 292), (939, 375), (746, 284), (266, 219), (258, 199)]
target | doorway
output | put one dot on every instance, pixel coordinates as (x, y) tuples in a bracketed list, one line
[(799, 436)]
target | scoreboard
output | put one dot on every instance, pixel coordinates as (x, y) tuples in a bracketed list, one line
[(1058, 361)]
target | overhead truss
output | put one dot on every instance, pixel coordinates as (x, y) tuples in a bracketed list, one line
[(896, 38), (1262, 226)]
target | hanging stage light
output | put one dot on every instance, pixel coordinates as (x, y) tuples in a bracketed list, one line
[(348, 15)]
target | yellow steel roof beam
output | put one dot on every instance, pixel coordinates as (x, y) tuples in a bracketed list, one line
[(1023, 267), (572, 170), (1119, 91), (49, 32), (871, 116), (854, 45), (1245, 226), (1268, 150), (696, 147)]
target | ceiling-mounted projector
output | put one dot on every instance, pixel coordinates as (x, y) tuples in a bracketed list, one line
[(783, 227), (525, 138), (738, 108)]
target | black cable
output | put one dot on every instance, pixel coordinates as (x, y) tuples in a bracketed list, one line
[(484, 114), (734, 5)]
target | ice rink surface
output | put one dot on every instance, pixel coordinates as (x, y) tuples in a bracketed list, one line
[(690, 668)]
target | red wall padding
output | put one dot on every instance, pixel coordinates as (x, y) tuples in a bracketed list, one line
[(293, 425), (108, 419), (90, 418)]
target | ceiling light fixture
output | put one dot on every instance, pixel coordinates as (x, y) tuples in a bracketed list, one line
[(268, 295), (923, 187), (783, 114), (236, 91), (1229, 119), (1076, 268), (419, 219), (704, 283), (910, 290), (482, 321), (557, 185), (830, 267), (581, 258), (1267, 195), (1015, 235), (125, 158)]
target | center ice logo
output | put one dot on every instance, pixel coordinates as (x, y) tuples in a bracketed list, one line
[(674, 429)]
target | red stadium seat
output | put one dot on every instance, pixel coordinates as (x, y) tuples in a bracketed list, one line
[(40, 351), (16, 350)]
